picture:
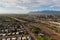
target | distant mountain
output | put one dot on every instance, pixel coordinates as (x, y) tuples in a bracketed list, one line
[(45, 12)]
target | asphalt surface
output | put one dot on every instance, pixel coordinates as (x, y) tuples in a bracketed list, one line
[(32, 35), (45, 30)]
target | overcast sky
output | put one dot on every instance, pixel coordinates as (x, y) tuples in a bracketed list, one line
[(23, 6)]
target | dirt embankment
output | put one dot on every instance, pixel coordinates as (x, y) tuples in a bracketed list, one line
[(47, 31)]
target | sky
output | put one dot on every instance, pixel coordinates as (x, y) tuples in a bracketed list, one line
[(25, 6)]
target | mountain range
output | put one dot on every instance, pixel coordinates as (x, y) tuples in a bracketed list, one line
[(45, 12)]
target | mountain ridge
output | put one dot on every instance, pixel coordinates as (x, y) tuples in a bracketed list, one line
[(45, 12)]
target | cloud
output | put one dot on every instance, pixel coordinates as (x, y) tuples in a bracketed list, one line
[(27, 3), (11, 6), (56, 2), (24, 5), (8, 2), (36, 3), (33, 3)]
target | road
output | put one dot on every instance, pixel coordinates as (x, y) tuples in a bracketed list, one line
[(44, 29), (27, 29), (48, 31), (33, 36)]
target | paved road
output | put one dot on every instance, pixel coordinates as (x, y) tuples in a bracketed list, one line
[(25, 28), (46, 30)]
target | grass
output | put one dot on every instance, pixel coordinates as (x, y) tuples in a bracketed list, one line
[(43, 38)]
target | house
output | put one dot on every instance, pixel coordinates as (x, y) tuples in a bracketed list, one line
[(19, 38), (14, 38), (17, 33), (4, 34), (24, 38), (8, 38), (3, 39), (29, 37)]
